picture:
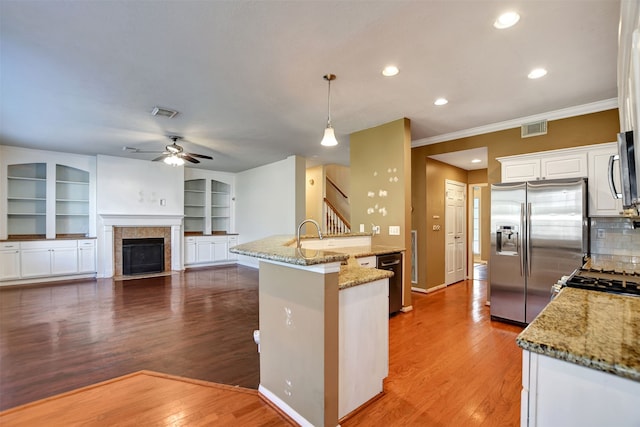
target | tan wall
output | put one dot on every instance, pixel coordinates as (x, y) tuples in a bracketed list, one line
[(299, 340), (431, 257), (381, 161), (313, 197), (587, 129)]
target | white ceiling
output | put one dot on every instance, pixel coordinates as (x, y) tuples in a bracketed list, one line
[(246, 76)]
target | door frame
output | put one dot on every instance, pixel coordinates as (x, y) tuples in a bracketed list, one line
[(464, 187)]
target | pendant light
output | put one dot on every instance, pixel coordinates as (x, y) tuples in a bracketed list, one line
[(329, 139)]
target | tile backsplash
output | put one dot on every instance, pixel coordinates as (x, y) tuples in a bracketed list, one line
[(614, 236)]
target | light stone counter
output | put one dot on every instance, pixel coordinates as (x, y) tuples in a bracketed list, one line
[(589, 328), (283, 249)]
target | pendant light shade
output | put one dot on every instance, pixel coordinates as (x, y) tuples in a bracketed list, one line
[(329, 139)]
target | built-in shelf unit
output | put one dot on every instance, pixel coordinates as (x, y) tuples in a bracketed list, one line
[(194, 205), (220, 206), (27, 199), (72, 201)]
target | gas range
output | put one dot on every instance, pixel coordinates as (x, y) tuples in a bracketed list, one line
[(605, 281)]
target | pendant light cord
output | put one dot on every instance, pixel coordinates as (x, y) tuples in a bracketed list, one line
[(329, 104)]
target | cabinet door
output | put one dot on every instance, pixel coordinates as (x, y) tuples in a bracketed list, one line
[(64, 260), (190, 253), (233, 241), (204, 251), (86, 259), (601, 201), (521, 170), (9, 264), (220, 249), (567, 166), (35, 262)]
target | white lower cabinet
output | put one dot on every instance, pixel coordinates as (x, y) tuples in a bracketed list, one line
[(9, 261), (43, 260), (205, 250), (559, 393), (47, 258), (86, 256)]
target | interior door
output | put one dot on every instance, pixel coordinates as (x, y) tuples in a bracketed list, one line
[(455, 231)]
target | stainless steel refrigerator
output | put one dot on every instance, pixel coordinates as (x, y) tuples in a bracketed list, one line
[(539, 233)]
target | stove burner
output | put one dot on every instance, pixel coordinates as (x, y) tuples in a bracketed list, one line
[(612, 285)]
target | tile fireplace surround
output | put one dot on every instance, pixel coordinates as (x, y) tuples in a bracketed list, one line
[(117, 227)]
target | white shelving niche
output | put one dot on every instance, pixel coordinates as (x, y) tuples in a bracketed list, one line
[(27, 199)]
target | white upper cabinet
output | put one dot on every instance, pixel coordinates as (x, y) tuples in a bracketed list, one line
[(601, 199), (544, 165), (590, 161)]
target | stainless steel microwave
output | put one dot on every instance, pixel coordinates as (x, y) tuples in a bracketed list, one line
[(629, 157)]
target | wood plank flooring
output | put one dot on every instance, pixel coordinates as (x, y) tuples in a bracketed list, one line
[(148, 398), (450, 365)]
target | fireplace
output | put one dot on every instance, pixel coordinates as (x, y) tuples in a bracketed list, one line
[(141, 256), (136, 245), (114, 228)]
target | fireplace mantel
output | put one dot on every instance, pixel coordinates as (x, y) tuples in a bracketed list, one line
[(109, 221)]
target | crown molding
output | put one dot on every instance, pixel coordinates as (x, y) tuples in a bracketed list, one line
[(593, 107)]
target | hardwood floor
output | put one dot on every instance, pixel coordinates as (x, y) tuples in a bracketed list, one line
[(450, 365)]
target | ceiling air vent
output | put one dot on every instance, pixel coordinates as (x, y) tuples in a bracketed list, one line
[(533, 129), (164, 112)]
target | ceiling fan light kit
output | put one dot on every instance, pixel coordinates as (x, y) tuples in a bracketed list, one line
[(174, 154), (329, 139)]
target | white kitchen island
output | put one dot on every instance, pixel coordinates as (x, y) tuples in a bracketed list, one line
[(323, 330)]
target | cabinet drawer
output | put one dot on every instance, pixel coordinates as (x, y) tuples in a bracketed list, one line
[(10, 245), (367, 262), (89, 243)]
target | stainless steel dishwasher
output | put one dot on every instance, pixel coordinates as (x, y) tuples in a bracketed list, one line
[(393, 262)]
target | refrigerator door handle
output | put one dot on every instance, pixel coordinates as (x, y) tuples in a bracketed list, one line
[(522, 239), (528, 233)]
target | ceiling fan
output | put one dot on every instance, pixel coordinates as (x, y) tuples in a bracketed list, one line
[(173, 154)]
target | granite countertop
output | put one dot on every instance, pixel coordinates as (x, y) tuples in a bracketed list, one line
[(595, 329), (278, 248), (282, 248)]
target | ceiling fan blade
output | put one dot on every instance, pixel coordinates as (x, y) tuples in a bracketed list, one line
[(202, 156), (157, 159), (189, 158)]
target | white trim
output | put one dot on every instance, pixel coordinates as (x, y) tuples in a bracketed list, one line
[(406, 308), (593, 107), (124, 220), (326, 268), (436, 288), (419, 290), (50, 279), (271, 397)]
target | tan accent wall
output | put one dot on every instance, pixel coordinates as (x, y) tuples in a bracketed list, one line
[(576, 131), (381, 187), (314, 196), (299, 339)]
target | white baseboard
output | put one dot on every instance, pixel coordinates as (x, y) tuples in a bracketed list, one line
[(428, 291), (284, 407), (406, 309)]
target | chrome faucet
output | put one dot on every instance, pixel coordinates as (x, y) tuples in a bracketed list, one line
[(303, 223)]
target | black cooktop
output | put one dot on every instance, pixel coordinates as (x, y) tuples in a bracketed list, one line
[(617, 284)]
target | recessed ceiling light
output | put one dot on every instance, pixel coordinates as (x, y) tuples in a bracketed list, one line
[(476, 161), (440, 101), (506, 20), (390, 71), (537, 73)]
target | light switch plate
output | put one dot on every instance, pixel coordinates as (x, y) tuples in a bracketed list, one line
[(362, 228), (394, 230)]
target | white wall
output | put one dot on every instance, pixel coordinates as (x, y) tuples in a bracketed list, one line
[(136, 187), (270, 200)]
